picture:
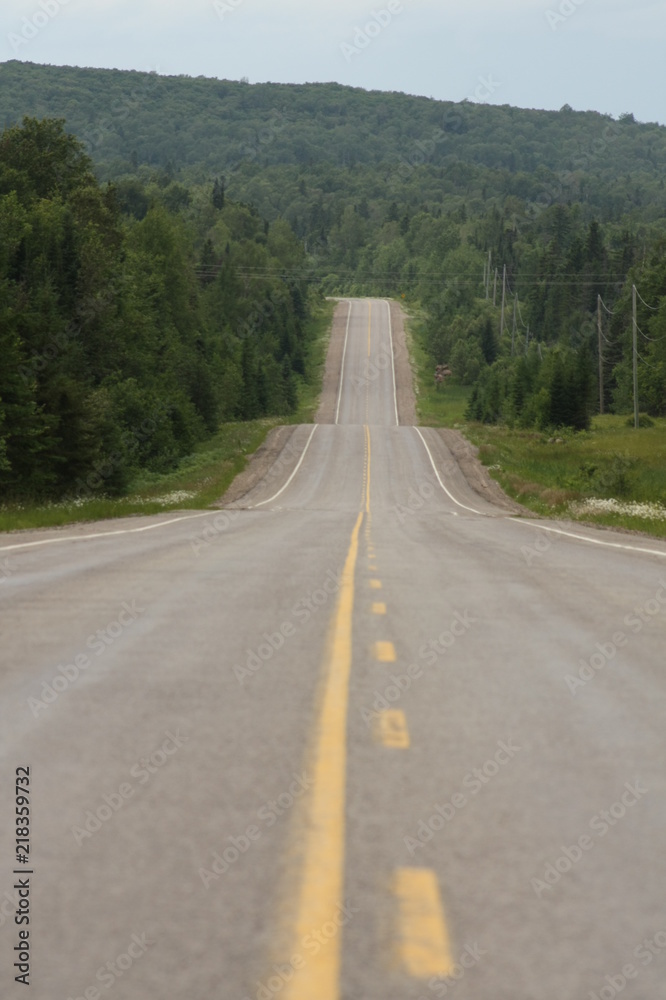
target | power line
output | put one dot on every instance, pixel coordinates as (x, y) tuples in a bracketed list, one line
[(651, 308), (521, 315)]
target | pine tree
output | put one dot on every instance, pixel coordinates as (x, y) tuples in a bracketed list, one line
[(219, 193), (488, 342)]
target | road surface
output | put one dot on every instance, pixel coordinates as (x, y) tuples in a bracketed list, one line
[(362, 736)]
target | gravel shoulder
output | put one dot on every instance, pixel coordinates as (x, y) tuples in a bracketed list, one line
[(476, 474)]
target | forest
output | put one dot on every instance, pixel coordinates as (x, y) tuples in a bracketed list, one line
[(125, 340), (189, 224)]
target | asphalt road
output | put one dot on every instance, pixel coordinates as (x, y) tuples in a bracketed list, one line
[(362, 736)]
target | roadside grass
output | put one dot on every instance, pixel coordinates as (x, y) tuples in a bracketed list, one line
[(435, 407), (202, 477), (610, 462)]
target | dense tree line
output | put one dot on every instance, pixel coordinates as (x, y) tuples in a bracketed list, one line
[(134, 119), (393, 195), (132, 321)]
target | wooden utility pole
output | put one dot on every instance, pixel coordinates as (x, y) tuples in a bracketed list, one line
[(513, 329), (635, 326), (601, 356), (503, 302)]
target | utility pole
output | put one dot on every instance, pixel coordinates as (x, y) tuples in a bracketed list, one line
[(513, 330), (635, 325), (601, 356), (495, 288), (503, 302)]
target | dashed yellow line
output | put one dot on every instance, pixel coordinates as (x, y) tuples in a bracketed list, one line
[(379, 608), (384, 652), (391, 729), (369, 457), (423, 946)]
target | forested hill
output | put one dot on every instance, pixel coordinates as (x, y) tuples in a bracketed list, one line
[(366, 193), (130, 118)]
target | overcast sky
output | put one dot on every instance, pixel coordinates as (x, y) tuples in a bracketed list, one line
[(605, 55)]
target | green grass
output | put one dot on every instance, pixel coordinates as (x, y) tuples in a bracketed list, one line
[(443, 407), (611, 461), (310, 391), (203, 476)]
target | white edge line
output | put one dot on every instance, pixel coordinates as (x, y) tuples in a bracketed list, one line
[(538, 526), (585, 538), (395, 388), (300, 462), (105, 534), (450, 495), (342, 366)]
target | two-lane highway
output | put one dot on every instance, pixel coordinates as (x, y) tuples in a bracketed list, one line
[(361, 735)]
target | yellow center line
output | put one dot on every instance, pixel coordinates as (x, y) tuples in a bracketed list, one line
[(322, 887), (391, 729), (375, 584), (379, 608), (367, 484), (322, 873), (384, 652), (423, 944)]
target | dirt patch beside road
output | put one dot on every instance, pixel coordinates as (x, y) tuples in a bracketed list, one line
[(476, 474), (259, 465)]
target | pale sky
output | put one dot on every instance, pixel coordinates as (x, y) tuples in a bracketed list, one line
[(604, 55)]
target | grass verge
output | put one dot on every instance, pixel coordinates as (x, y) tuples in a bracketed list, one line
[(202, 477), (610, 475), (443, 407)]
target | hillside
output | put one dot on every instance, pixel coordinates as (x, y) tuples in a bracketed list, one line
[(206, 126), (369, 193)]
